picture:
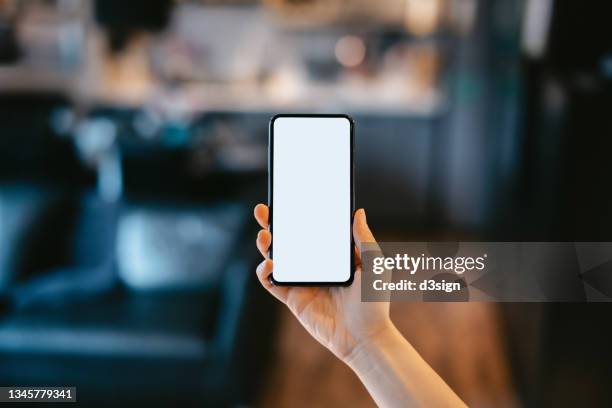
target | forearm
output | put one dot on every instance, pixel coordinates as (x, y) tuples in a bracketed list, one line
[(397, 376)]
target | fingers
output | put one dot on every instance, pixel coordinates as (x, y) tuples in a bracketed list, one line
[(361, 231), (264, 239), (264, 272), (262, 214)]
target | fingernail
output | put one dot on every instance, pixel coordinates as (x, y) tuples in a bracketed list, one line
[(363, 214)]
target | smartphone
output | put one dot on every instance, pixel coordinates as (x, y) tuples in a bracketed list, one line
[(311, 199)]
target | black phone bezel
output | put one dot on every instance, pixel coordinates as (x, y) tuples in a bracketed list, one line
[(352, 193)]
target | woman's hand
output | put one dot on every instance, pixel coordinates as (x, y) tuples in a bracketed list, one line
[(359, 333), (335, 316)]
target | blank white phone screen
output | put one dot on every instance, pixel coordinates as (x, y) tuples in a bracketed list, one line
[(311, 199)]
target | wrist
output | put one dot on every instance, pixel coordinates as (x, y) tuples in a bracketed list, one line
[(384, 334)]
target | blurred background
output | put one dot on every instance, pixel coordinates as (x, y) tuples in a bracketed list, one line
[(133, 142)]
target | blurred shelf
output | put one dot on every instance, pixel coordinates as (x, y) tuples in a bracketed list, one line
[(309, 97), (18, 78)]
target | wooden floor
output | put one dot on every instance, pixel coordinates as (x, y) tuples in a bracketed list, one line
[(462, 341)]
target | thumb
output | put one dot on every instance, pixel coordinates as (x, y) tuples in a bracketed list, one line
[(361, 231)]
